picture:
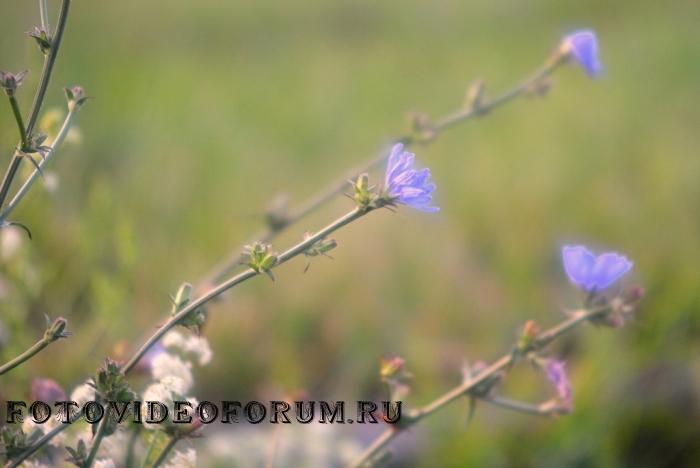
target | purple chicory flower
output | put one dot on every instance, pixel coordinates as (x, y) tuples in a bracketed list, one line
[(582, 46), (593, 273), (408, 186), (556, 373)]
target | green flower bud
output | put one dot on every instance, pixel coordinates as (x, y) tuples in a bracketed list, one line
[(260, 257), (56, 330)]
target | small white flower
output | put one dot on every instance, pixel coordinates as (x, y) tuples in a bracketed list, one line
[(180, 459), (166, 365), (34, 464), (82, 394), (10, 241), (29, 426), (163, 392), (104, 463), (193, 345)]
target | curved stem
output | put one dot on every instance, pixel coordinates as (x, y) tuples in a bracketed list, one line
[(336, 188), (503, 363), (49, 61), (521, 406), (25, 356), (299, 248)]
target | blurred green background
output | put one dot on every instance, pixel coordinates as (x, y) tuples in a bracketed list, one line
[(204, 111)]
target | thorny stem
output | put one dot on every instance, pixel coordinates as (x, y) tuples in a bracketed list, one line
[(65, 128), (301, 247), (49, 61), (501, 364), (166, 451), (25, 356), (462, 115)]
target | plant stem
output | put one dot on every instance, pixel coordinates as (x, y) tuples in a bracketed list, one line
[(25, 356), (224, 268), (166, 451), (503, 363), (299, 248), (40, 443), (96, 441), (44, 13), (65, 128), (519, 406), (18, 118), (49, 61)]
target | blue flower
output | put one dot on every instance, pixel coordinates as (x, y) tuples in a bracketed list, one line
[(405, 185), (556, 373), (582, 46), (593, 273)]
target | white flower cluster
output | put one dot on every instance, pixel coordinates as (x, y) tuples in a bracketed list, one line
[(171, 370)]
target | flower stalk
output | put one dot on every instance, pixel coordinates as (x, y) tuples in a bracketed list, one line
[(245, 275), (54, 331), (468, 112), (49, 61), (503, 363), (51, 152)]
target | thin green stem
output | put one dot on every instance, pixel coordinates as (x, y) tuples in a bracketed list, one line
[(520, 406), (501, 364), (166, 451), (96, 441), (20, 123), (329, 193), (149, 451), (49, 61), (36, 174), (44, 13), (25, 356), (130, 460), (299, 248)]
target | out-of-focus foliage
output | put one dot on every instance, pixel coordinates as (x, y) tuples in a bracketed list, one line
[(205, 110)]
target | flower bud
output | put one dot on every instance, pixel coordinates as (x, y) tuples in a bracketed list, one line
[(422, 130), (363, 192), (75, 96), (11, 81), (193, 320), (394, 374), (277, 213), (56, 330), (475, 96), (528, 336), (260, 257), (42, 37)]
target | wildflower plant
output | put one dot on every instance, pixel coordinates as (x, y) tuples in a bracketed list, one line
[(170, 354)]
